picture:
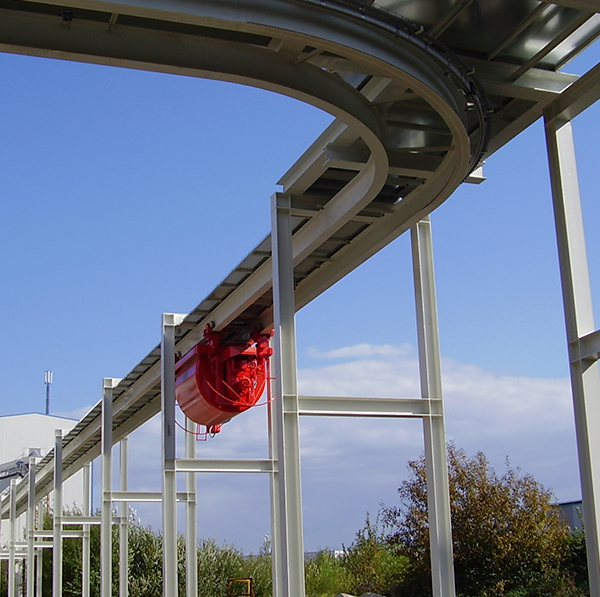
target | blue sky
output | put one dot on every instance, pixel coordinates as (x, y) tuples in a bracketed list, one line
[(127, 194)]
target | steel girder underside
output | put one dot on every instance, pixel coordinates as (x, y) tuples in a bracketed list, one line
[(412, 122)]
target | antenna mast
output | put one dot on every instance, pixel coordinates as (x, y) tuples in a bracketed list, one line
[(48, 382)]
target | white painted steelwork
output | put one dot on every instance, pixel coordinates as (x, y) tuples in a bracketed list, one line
[(169, 454), (438, 492), (38, 552), (412, 123), (191, 534), (289, 574), (31, 530), (12, 565), (123, 524), (57, 514), (581, 332), (86, 543), (106, 503), (136, 397)]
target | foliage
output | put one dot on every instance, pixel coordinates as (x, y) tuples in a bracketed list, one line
[(259, 568), (576, 561), (216, 564), (72, 560), (509, 538), (326, 575), (3, 577), (375, 564), (509, 541), (145, 562)]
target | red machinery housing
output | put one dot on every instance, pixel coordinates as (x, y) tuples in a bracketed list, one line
[(214, 381)]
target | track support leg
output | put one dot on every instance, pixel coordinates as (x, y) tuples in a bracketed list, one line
[(106, 512), (169, 488), (438, 495), (289, 544), (579, 320), (57, 561)]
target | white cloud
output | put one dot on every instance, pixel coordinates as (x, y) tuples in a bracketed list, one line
[(361, 351), (526, 419), (350, 465)]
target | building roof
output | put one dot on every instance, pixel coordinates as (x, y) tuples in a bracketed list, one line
[(21, 415)]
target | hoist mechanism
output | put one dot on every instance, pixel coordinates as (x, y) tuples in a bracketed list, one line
[(216, 381)]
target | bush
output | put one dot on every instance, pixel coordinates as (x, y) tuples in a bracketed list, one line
[(326, 575), (376, 565), (576, 561), (509, 537), (145, 562), (259, 568), (217, 564)]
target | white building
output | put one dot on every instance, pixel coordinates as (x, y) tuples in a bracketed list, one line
[(19, 435)]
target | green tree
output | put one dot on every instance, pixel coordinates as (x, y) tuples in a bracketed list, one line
[(3, 577), (326, 575), (376, 565), (72, 559), (509, 537), (259, 567), (145, 562), (216, 564), (576, 561)]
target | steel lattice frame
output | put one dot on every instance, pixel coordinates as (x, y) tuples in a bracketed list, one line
[(412, 122)]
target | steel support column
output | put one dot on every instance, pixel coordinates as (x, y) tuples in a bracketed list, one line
[(579, 320), (41, 511), (12, 571), (31, 529), (438, 495), (275, 539), (290, 558), (169, 487), (123, 542), (57, 563), (191, 537), (106, 512), (85, 546)]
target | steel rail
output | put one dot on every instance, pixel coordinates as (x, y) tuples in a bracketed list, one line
[(271, 44)]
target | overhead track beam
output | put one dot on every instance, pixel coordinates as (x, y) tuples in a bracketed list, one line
[(587, 5), (578, 97), (382, 43)]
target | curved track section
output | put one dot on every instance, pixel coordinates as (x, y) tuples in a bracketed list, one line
[(410, 126)]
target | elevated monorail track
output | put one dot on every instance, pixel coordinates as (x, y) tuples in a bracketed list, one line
[(418, 105)]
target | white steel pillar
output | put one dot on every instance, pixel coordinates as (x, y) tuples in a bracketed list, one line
[(57, 563), (106, 509), (12, 570), (438, 495), (579, 319), (169, 453), (191, 537), (41, 511), (31, 528), (85, 546), (276, 549), (123, 531), (291, 556)]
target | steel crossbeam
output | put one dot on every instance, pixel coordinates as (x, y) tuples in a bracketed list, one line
[(337, 406), (586, 348)]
